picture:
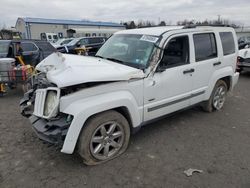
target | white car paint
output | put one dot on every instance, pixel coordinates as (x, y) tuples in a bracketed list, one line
[(244, 53), (146, 95), (84, 69)]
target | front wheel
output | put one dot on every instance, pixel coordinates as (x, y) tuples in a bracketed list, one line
[(105, 136), (217, 98)]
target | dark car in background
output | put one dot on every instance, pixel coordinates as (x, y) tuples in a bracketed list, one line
[(243, 42), (32, 51), (93, 44)]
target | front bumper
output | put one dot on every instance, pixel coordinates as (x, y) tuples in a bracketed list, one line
[(53, 131)]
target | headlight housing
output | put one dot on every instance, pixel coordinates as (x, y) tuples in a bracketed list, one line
[(50, 102), (47, 102)]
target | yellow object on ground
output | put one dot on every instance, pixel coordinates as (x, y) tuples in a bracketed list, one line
[(2, 88), (19, 58)]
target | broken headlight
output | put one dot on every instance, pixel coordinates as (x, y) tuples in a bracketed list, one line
[(50, 102)]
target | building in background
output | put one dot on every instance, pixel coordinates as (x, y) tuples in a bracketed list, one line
[(37, 28)]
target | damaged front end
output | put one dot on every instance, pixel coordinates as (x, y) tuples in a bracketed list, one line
[(38, 81), (40, 104), (60, 76), (52, 131)]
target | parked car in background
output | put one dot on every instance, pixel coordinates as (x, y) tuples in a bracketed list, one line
[(92, 104), (243, 41), (62, 42), (244, 59), (32, 51), (93, 43)]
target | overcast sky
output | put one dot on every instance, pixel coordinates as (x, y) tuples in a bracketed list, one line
[(117, 10)]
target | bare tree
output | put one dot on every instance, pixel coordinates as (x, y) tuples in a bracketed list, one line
[(217, 22), (162, 23)]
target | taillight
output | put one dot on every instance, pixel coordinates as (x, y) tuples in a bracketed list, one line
[(238, 61)]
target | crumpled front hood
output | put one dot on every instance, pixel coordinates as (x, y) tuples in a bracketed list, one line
[(67, 70)]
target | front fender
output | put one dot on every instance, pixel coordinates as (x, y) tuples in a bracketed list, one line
[(85, 108)]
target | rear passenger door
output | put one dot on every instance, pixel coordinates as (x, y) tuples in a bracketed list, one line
[(205, 61)]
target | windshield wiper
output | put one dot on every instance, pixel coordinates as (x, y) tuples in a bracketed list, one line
[(116, 60), (99, 56), (138, 66)]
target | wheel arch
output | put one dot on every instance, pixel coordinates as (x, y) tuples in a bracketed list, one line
[(225, 74), (122, 102), (228, 81)]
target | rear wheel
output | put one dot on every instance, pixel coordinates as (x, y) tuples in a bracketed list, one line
[(105, 136), (217, 98)]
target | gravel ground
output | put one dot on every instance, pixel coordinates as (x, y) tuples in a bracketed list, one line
[(217, 143)]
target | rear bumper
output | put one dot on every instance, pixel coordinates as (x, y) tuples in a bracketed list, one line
[(53, 132), (244, 67), (244, 64), (235, 79)]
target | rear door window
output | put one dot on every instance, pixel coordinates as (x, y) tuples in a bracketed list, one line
[(45, 46), (205, 46), (227, 41), (4, 47), (28, 47), (95, 40), (84, 41)]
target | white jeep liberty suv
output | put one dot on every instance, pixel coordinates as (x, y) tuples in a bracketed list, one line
[(93, 104)]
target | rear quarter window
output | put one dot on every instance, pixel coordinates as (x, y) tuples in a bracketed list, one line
[(227, 41), (205, 46), (28, 47), (45, 46), (4, 47)]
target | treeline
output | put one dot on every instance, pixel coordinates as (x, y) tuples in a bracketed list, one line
[(148, 23), (143, 24), (218, 22)]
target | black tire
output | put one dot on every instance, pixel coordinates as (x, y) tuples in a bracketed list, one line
[(208, 105), (91, 128)]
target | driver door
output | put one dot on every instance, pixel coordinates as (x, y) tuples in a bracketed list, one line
[(170, 88)]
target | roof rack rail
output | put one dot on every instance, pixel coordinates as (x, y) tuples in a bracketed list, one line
[(190, 26)]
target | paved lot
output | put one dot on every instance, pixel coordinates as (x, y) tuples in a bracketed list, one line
[(217, 143)]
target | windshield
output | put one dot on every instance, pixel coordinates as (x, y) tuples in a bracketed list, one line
[(4, 47), (66, 41), (129, 49)]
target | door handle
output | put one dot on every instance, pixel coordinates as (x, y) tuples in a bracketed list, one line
[(188, 71), (218, 63)]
